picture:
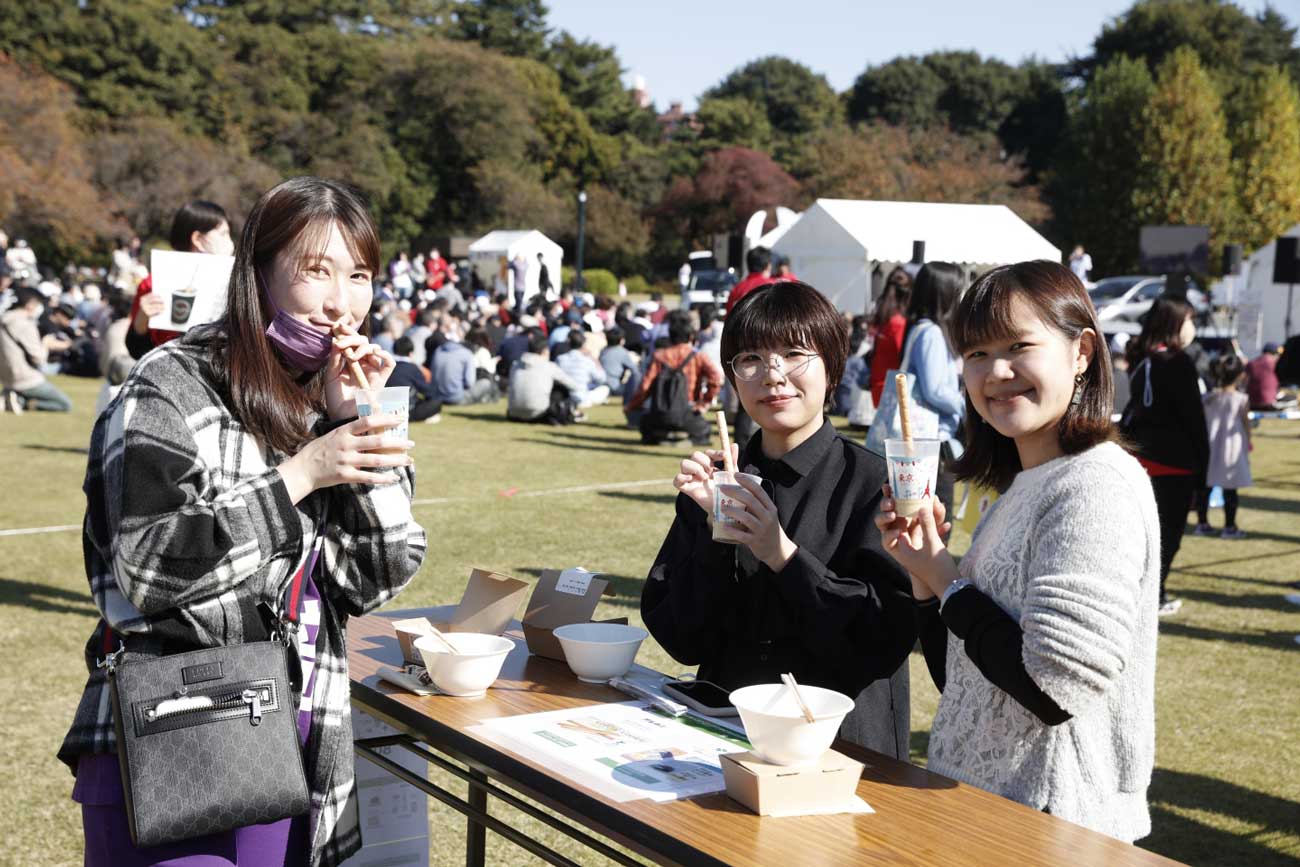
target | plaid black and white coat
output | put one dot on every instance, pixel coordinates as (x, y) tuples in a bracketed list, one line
[(189, 528)]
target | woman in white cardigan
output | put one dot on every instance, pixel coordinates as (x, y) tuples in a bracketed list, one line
[(1043, 639)]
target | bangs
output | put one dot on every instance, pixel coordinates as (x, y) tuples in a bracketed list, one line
[(308, 247), (984, 313), (787, 314)]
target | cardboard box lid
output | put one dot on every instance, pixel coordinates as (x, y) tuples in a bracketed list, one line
[(489, 603), (567, 596), (832, 762)]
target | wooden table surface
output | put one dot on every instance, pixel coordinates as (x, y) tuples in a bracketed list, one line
[(920, 818)]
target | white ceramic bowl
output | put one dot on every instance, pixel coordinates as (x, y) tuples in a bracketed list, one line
[(598, 651), (472, 670), (777, 728)]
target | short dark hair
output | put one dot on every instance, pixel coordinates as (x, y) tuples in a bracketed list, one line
[(1226, 370), (537, 341), (758, 259), (1062, 303), (1160, 327), (577, 338), (708, 313), (614, 336), (27, 295), (788, 313), (196, 216), (680, 327), (403, 346)]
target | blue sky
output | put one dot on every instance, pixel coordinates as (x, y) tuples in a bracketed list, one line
[(682, 48)]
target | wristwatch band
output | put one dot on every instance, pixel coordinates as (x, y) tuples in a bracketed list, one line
[(954, 587)]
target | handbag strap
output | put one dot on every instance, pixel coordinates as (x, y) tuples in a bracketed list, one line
[(289, 617), (910, 343)]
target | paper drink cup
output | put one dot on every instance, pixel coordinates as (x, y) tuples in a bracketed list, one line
[(722, 523), (388, 401), (183, 304), (913, 471)]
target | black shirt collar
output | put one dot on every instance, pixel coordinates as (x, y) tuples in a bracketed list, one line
[(802, 459)]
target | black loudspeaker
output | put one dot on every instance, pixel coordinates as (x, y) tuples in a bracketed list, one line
[(918, 252), (1286, 261), (1231, 258)]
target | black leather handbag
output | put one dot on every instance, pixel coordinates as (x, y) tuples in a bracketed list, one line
[(207, 739)]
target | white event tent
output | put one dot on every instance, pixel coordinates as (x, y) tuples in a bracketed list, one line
[(836, 242), (1261, 303), (486, 253)]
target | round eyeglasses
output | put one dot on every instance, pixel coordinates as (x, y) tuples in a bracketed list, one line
[(749, 366)]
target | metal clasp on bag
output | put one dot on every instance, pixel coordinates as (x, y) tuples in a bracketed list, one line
[(110, 662)]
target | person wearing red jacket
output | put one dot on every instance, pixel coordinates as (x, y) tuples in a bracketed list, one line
[(198, 227), (759, 261)]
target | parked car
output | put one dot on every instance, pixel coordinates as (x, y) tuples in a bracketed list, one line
[(708, 287), (1128, 298)]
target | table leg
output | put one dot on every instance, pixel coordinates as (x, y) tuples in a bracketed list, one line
[(476, 831)]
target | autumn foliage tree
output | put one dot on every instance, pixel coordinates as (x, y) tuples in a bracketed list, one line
[(48, 194), (1266, 146), (1184, 172), (731, 184)]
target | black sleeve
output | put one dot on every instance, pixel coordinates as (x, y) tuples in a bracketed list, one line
[(138, 345), (933, 633), (855, 620), (993, 642), (685, 596)]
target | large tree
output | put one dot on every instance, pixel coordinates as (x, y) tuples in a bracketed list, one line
[(514, 27), (1266, 145), (1092, 190), (47, 194), (591, 76), (731, 184), (797, 100), (1184, 174)]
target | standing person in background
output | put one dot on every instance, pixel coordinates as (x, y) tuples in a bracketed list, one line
[(544, 286), (519, 275), (888, 326), (198, 227), (1227, 419), (759, 262), (935, 292), (1165, 422), (1080, 263)]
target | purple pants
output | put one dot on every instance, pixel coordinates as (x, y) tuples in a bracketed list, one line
[(108, 839)]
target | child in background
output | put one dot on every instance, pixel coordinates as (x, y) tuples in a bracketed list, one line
[(1227, 416)]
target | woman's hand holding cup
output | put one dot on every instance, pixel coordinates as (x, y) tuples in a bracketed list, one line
[(917, 544), (341, 385), (349, 454)]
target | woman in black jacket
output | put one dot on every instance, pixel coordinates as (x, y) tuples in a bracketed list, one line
[(1165, 423)]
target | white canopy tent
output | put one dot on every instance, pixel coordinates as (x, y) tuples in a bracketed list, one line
[(486, 253), (834, 244), (1261, 303)]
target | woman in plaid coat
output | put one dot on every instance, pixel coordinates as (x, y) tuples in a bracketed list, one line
[(207, 481)]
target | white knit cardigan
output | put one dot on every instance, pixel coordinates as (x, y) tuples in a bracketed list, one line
[(1072, 552)]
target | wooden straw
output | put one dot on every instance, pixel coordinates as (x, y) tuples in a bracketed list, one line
[(788, 680), (358, 372), (904, 419), (728, 462)]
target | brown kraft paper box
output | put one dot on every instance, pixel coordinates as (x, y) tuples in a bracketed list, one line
[(488, 605), (775, 789), (559, 598)]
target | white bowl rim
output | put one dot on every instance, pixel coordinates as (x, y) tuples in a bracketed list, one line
[(636, 633), (429, 643), (825, 715)]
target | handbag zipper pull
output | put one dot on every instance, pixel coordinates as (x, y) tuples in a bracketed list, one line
[(254, 701), (109, 662)]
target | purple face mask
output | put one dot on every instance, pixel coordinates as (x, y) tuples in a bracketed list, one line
[(306, 348)]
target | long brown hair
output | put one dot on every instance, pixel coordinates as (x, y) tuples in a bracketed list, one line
[(985, 314), (269, 398), (1162, 327)]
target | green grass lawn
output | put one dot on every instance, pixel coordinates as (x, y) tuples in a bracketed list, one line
[(1226, 788)]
